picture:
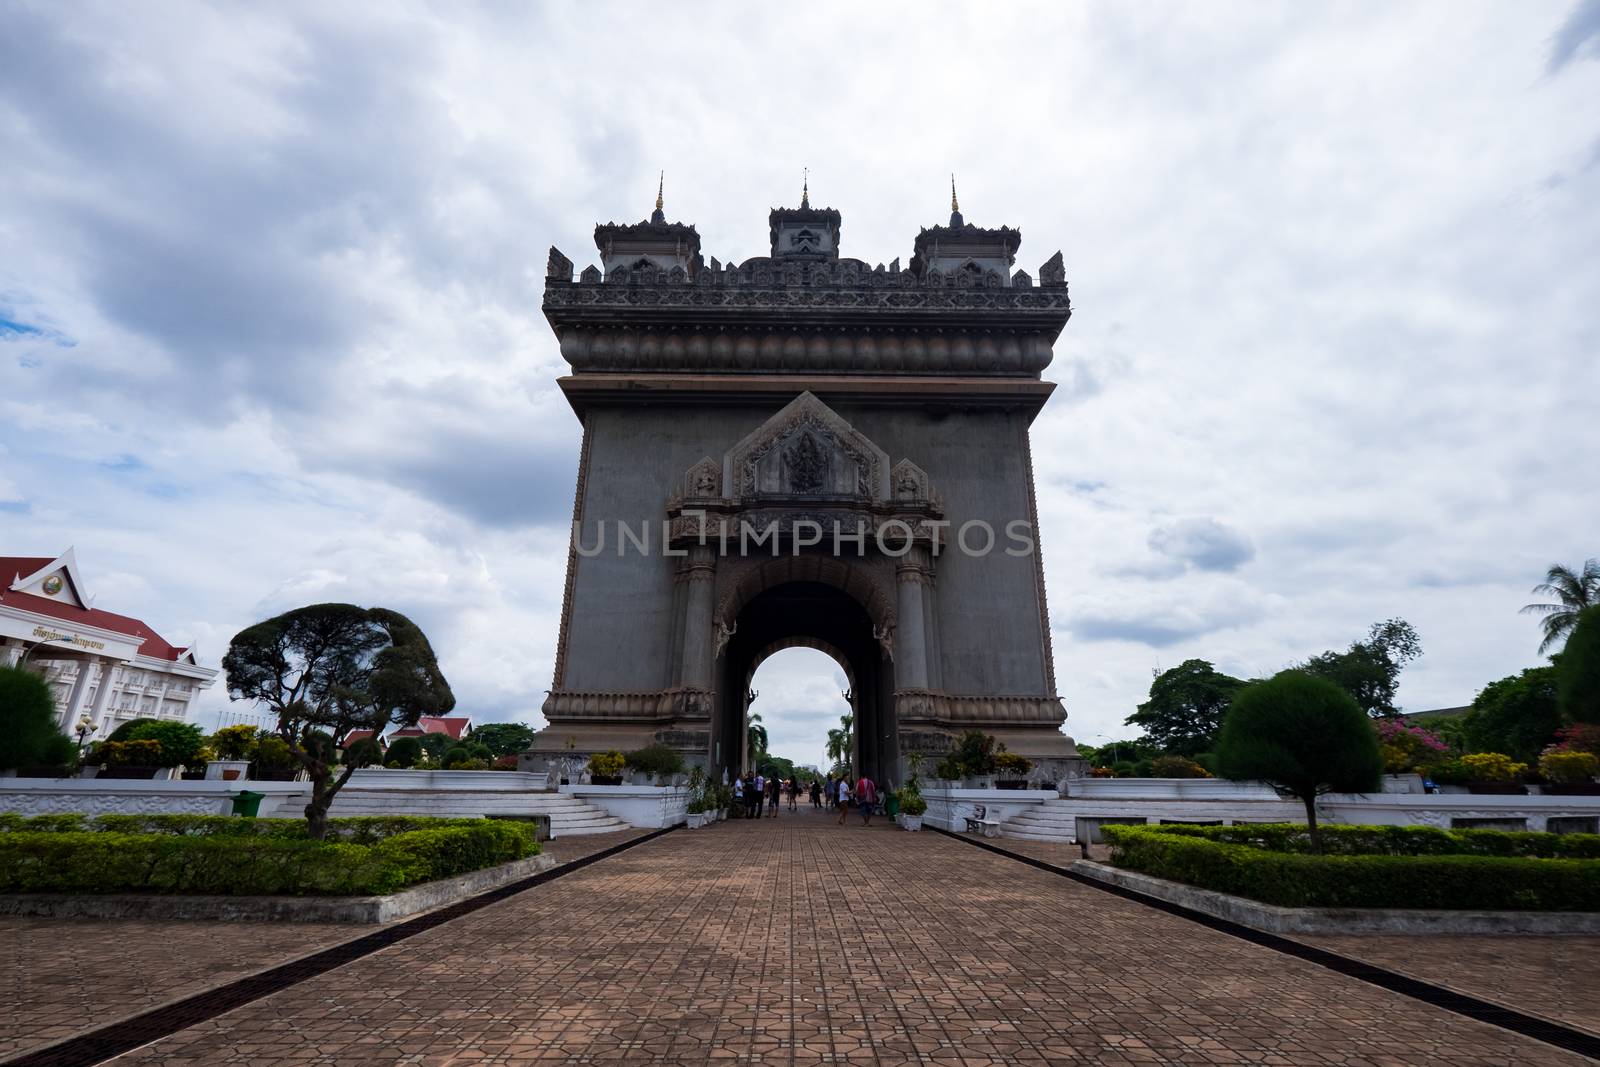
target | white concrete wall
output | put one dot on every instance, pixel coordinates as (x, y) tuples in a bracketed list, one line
[(650, 807), (949, 808)]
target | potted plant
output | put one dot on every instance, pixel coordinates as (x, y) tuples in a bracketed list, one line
[(1012, 770), (1171, 766), (232, 748), (605, 768), (912, 808), (698, 808), (1570, 773), (1494, 774), (656, 763)]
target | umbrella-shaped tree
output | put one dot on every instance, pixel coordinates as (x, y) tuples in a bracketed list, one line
[(327, 669)]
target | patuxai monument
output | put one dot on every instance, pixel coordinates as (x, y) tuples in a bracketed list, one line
[(805, 449)]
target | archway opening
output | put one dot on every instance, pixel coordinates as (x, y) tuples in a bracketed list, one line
[(801, 695), (835, 624)]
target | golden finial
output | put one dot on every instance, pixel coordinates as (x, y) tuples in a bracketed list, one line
[(661, 185), (805, 187), (954, 207)]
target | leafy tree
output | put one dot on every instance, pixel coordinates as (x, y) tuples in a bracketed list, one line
[(1370, 670), (772, 766), (406, 752), (1185, 707), (503, 738), (1574, 591), (1578, 669), (335, 668), (1113, 752), (180, 741), (125, 731), (363, 753), (436, 745), (1517, 715), (1303, 734), (28, 734)]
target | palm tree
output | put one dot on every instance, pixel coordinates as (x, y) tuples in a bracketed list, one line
[(758, 738), (839, 739), (1574, 590)]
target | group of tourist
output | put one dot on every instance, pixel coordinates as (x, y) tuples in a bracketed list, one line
[(758, 796)]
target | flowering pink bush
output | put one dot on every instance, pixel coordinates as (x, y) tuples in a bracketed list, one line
[(1579, 737), (1408, 748)]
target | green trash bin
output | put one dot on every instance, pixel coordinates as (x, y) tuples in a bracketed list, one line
[(891, 805), (247, 803)]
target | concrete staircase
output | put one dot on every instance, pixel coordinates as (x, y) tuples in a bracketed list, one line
[(1053, 820), (569, 816)]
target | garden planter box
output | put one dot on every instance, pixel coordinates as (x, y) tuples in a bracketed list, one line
[(227, 770), (275, 775), (129, 773), (1573, 789), (911, 822), (1497, 789), (1011, 783), (194, 776), (44, 772), (603, 779)]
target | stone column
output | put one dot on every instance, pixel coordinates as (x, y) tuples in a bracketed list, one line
[(700, 571), (912, 574), (12, 653)]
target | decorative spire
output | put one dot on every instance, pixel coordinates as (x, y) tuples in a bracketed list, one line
[(954, 205), (805, 187), (661, 185)]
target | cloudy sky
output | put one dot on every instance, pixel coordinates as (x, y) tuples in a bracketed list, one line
[(270, 282)]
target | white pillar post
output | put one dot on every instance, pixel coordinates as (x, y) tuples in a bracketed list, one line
[(102, 696), (700, 570), (80, 689)]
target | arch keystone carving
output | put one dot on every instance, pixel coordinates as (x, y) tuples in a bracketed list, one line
[(806, 450)]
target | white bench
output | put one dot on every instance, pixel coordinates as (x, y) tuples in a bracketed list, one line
[(980, 821)]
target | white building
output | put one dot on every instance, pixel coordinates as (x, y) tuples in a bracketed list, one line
[(108, 667)]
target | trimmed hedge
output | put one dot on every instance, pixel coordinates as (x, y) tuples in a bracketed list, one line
[(1480, 879), (215, 854), (1398, 840)]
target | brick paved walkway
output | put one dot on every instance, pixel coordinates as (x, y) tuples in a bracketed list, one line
[(797, 941), (59, 977)]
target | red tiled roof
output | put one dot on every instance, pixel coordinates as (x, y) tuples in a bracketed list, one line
[(454, 725), (154, 645), (357, 735)]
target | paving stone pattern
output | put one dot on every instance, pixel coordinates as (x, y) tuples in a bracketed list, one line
[(61, 977), (1557, 978), (798, 941)]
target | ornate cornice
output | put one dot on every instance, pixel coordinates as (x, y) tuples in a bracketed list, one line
[(930, 707), (665, 705)]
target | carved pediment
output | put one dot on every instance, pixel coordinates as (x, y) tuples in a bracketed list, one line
[(909, 482), (807, 450)]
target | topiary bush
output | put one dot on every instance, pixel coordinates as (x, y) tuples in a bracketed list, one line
[(608, 764), (234, 742), (129, 753), (1170, 766), (1493, 767), (405, 752), (28, 734), (1568, 768), (125, 731)]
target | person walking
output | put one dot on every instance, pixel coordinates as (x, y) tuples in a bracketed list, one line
[(794, 794), (866, 797), (774, 794), (761, 794), (750, 797), (844, 799), (738, 795), (816, 793)]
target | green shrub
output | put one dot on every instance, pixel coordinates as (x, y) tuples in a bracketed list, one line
[(1578, 669), (658, 761), (272, 753), (234, 742), (608, 764), (129, 753), (405, 752), (1569, 767), (180, 741), (1437, 869), (28, 723), (1012, 764), (215, 854), (1176, 767)]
